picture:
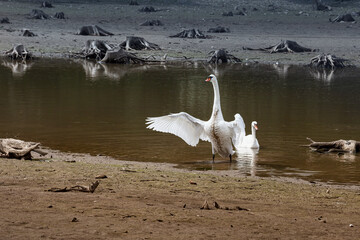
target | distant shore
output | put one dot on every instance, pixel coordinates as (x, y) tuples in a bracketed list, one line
[(266, 26)]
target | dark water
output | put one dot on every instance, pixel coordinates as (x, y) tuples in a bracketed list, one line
[(101, 109)]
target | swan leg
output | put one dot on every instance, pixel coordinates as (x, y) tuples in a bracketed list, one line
[(230, 158)]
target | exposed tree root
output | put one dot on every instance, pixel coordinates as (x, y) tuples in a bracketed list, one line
[(138, 43), (350, 146), (327, 61), (19, 52), (222, 56), (284, 46), (95, 49)]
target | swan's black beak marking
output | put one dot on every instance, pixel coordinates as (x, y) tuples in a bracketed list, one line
[(208, 79)]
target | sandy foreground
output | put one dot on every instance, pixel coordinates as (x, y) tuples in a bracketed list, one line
[(158, 201)]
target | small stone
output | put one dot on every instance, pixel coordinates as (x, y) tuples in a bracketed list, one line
[(74, 219), (351, 225)]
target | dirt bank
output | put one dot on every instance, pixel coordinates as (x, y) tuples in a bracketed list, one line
[(157, 201)]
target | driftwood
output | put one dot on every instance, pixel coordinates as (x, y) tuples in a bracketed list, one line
[(122, 57), (191, 33), (91, 188), (222, 56), (19, 52), (28, 33), (284, 46), (350, 146), (95, 49), (219, 30), (138, 43), (5, 20), (38, 14), (327, 61), (319, 6), (147, 9), (343, 18), (14, 148), (152, 23), (93, 30), (46, 5), (59, 15)]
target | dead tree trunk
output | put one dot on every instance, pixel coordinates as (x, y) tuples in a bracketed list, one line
[(14, 148), (350, 146)]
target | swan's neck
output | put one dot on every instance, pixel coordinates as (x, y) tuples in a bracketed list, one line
[(253, 132), (216, 107)]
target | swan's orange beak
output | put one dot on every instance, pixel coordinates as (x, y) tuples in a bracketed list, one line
[(208, 79), (255, 126)]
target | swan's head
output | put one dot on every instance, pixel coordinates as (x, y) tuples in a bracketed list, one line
[(254, 125), (211, 78)]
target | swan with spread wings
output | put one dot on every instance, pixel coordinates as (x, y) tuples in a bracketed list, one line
[(221, 134)]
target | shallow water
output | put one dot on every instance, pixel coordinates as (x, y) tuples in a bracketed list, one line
[(101, 109)]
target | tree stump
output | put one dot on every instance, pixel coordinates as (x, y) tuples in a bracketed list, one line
[(147, 9), (152, 23), (138, 43), (95, 49), (46, 5), (5, 20), (133, 3), (343, 18), (191, 33), (59, 15), (38, 14), (19, 52), (327, 61), (284, 46), (93, 30), (319, 6), (122, 57), (14, 148), (219, 30), (350, 146), (28, 33), (222, 56)]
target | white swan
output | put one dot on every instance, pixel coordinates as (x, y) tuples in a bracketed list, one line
[(219, 133), (250, 140)]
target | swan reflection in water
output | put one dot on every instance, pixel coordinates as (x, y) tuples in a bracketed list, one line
[(18, 69), (246, 159)]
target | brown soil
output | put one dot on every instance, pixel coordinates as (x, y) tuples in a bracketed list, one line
[(157, 201)]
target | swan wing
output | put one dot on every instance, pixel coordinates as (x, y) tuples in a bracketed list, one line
[(183, 125), (237, 128)]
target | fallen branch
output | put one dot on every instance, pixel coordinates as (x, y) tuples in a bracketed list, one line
[(14, 148), (91, 188)]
